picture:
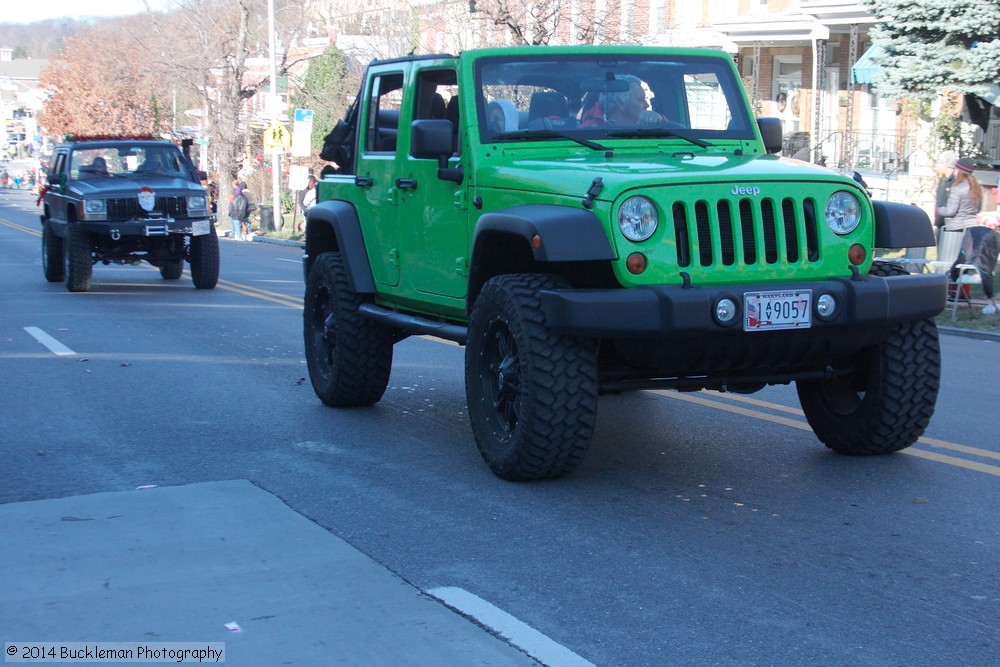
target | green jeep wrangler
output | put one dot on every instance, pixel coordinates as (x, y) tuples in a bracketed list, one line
[(603, 219)]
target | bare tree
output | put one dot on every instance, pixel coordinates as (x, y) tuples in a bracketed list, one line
[(102, 84), (370, 30), (205, 46), (541, 22)]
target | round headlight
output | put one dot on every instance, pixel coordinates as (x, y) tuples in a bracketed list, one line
[(843, 212), (637, 219)]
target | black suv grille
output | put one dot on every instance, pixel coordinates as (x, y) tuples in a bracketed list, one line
[(749, 231), (128, 207)]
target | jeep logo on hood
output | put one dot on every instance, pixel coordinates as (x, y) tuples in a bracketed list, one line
[(738, 190)]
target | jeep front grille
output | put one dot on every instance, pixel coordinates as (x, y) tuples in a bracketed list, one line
[(125, 208), (745, 232)]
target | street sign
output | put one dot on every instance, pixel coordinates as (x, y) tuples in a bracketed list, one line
[(302, 134), (298, 177), (277, 137)]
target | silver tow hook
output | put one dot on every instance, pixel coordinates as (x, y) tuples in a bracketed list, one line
[(115, 234)]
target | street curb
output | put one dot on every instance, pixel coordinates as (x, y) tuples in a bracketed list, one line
[(287, 242), (969, 333)]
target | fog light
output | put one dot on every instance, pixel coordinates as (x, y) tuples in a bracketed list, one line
[(636, 263), (725, 310), (826, 306)]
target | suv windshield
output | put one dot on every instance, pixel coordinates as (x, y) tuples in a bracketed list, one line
[(129, 160), (603, 96)]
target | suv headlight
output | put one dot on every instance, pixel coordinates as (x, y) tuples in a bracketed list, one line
[(637, 219), (197, 203), (94, 209), (843, 212)]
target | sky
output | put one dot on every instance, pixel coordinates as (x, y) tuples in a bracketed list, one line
[(27, 11)]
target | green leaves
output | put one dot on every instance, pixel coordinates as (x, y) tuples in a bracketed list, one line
[(936, 45)]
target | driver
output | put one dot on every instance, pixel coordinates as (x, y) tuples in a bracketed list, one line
[(628, 107)]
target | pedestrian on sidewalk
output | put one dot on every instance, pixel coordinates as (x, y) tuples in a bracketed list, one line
[(965, 199), (239, 213)]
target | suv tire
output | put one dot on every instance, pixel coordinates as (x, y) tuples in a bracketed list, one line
[(887, 402), (531, 392), (203, 255), (171, 269), (79, 259), (53, 257), (349, 355)]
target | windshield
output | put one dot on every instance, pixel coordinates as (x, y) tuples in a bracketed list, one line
[(127, 160), (692, 98)]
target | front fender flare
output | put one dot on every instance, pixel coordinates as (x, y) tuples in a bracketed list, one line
[(564, 234), (901, 226), (334, 226)]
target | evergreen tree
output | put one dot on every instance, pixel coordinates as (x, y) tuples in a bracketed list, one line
[(929, 46), (327, 89)]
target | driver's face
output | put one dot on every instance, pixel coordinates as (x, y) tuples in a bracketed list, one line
[(636, 103)]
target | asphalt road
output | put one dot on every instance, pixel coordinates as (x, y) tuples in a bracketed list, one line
[(702, 529)]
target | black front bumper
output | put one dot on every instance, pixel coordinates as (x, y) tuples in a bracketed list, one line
[(660, 312)]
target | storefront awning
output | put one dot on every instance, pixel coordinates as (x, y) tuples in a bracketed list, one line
[(865, 69)]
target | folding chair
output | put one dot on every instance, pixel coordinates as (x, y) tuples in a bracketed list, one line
[(949, 245), (960, 282), (914, 260)]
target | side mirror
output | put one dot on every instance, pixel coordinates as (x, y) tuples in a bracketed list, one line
[(435, 140), (771, 133)]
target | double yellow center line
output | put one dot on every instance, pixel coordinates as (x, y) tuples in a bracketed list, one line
[(726, 403)]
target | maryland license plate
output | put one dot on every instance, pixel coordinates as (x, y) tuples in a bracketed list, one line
[(766, 311)]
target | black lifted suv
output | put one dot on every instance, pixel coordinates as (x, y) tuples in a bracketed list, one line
[(125, 200), (603, 219)]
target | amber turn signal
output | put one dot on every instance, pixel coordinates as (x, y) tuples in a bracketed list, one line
[(636, 263), (857, 254)]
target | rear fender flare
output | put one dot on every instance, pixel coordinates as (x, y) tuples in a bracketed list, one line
[(334, 226)]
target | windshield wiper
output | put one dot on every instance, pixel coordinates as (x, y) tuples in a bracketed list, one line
[(552, 134), (659, 132)]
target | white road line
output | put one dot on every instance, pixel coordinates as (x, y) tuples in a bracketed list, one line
[(48, 341), (293, 261), (518, 633)]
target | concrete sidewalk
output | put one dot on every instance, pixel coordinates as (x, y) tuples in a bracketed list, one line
[(177, 564)]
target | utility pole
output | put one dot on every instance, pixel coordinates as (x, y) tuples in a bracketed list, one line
[(275, 156)]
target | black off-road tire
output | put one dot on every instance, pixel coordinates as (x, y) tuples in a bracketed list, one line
[(886, 404), (531, 392), (203, 255), (53, 255), (349, 356), (79, 259), (171, 269)]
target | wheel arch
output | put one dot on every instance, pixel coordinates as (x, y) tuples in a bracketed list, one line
[(521, 238), (901, 226), (334, 226)]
